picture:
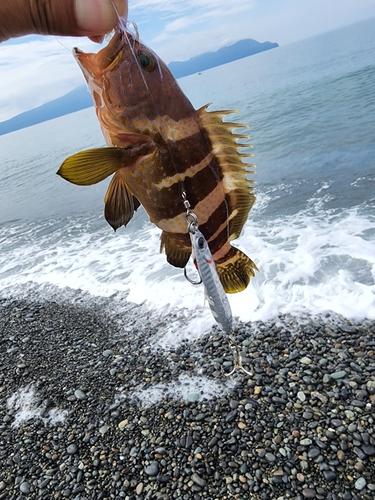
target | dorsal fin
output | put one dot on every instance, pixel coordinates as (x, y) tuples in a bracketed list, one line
[(238, 189)]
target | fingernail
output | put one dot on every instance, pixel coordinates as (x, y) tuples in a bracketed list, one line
[(97, 38), (98, 17)]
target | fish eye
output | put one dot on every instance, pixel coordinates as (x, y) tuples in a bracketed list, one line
[(201, 242), (147, 60)]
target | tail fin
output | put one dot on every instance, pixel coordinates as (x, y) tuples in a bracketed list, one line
[(235, 270)]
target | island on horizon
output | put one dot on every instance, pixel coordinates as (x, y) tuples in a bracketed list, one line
[(79, 98)]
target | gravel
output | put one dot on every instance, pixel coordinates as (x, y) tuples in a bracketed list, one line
[(301, 426)]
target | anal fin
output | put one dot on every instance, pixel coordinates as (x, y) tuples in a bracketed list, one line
[(120, 204)]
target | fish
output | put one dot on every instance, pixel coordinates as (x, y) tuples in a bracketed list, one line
[(158, 147), (214, 291)]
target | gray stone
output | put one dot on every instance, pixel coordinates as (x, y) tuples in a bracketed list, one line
[(309, 493), (357, 403), (294, 355), (359, 452), (329, 475), (231, 416), (107, 353), (72, 449), (44, 483), (339, 374), (188, 441), (360, 483), (152, 469), (270, 457), (301, 396), (279, 401), (213, 442), (25, 488), (369, 449), (313, 452), (348, 329), (162, 478), (198, 480), (79, 394)]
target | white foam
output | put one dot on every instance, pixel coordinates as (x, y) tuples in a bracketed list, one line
[(310, 262), (181, 389), (26, 404)]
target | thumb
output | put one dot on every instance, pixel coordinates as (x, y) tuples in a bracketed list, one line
[(59, 17), (98, 17)]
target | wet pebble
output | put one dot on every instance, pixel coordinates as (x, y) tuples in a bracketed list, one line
[(107, 353), (360, 483), (152, 469), (79, 394), (298, 427), (24, 488), (72, 449), (309, 493)]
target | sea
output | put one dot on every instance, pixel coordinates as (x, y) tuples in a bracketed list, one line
[(311, 110)]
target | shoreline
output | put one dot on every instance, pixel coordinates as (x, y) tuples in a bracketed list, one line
[(302, 426)]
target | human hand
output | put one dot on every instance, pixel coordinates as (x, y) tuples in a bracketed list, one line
[(92, 18)]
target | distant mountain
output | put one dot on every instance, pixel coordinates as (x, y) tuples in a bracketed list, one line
[(80, 98), (77, 99), (243, 48)]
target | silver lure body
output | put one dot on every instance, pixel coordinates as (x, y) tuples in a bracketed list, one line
[(216, 296)]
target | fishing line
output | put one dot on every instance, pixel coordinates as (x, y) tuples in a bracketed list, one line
[(132, 39), (124, 25), (65, 47)]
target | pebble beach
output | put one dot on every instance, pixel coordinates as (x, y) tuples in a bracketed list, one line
[(87, 410)]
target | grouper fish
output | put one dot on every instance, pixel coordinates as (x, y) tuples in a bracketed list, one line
[(160, 147)]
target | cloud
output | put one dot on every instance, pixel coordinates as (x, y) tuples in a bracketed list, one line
[(203, 30), (34, 70), (219, 23), (176, 7)]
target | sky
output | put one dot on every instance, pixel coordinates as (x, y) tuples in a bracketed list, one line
[(35, 70)]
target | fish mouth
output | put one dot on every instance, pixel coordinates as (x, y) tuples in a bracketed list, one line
[(107, 58)]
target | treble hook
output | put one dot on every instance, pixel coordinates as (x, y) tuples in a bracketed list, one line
[(237, 359)]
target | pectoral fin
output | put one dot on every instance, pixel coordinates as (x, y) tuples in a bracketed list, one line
[(120, 204), (94, 165)]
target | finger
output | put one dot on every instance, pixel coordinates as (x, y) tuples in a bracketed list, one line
[(98, 17), (59, 17)]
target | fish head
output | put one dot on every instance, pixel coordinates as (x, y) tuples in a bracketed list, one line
[(131, 86)]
